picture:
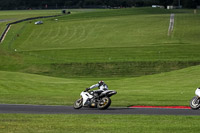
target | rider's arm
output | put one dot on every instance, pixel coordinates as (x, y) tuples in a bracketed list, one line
[(94, 86)]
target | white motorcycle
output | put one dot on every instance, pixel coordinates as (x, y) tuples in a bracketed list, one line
[(195, 102), (94, 100)]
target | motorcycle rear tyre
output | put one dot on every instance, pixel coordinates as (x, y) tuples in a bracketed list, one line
[(194, 105), (105, 105)]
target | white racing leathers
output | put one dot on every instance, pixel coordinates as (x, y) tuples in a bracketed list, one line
[(103, 87)]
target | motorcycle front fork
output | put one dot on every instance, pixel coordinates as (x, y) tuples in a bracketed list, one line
[(197, 100)]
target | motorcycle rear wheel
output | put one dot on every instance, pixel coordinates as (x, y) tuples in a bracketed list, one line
[(195, 103), (104, 103), (78, 103)]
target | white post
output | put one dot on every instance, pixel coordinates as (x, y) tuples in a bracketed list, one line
[(171, 24)]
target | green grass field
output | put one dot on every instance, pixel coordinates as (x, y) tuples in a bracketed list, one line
[(125, 42), (23, 123), (50, 64)]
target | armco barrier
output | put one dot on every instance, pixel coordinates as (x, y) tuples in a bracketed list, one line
[(19, 21), (4, 33)]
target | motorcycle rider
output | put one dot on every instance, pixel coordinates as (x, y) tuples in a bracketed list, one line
[(102, 87)]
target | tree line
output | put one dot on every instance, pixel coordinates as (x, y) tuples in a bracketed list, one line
[(60, 4)]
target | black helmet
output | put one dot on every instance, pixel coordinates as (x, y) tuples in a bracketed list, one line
[(101, 83)]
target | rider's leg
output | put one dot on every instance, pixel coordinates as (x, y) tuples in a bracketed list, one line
[(97, 93)]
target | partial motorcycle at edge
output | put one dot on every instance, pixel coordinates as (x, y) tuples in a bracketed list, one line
[(195, 102)]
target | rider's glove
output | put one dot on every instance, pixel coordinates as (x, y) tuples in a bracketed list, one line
[(87, 89)]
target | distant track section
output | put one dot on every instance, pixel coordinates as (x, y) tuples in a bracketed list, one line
[(19, 21)]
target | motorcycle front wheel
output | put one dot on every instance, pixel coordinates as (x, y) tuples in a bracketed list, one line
[(195, 103), (104, 103), (78, 103)]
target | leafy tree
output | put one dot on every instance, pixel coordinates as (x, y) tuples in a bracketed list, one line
[(165, 3), (190, 3)]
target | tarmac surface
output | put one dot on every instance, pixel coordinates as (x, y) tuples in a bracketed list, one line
[(46, 109)]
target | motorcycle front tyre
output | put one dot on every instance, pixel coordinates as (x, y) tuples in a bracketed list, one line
[(78, 103), (194, 104)]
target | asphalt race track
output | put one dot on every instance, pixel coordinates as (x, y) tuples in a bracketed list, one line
[(44, 109)]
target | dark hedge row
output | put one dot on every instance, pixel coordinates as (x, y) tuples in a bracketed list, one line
[(57, 4)]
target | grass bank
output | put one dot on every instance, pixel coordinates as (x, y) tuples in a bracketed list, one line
[(170, 88)]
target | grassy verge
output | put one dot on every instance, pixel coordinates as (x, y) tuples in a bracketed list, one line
[(19, 123), (171, 88)]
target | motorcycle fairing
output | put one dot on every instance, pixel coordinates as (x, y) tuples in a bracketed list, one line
[(197, 92), (86, 96), (108, 93)]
